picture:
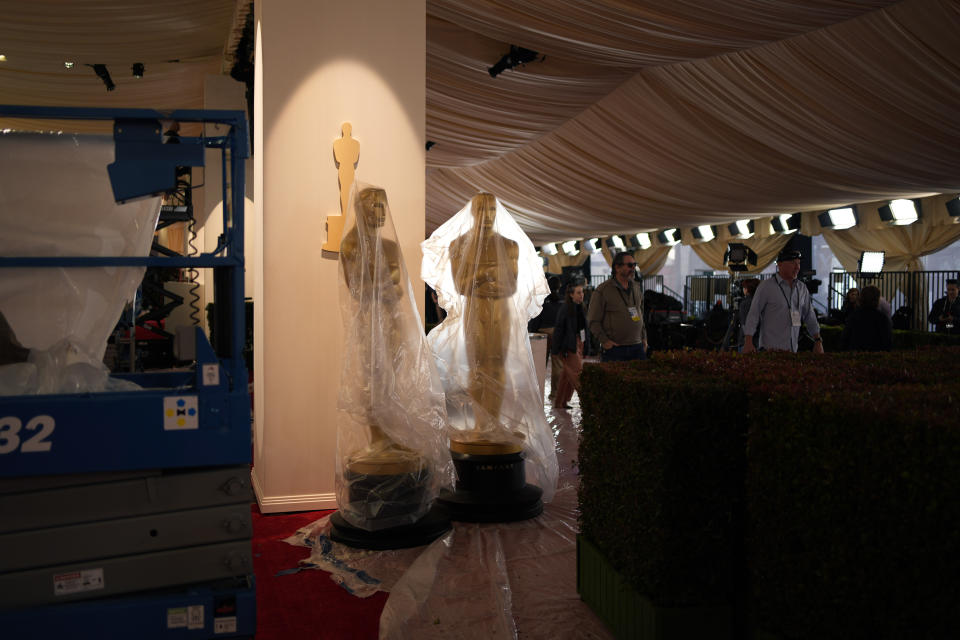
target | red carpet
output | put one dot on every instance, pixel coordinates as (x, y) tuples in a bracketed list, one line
[(306, 605)]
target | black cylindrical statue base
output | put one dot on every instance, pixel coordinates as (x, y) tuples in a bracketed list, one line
[(424, 531), (491, 488)]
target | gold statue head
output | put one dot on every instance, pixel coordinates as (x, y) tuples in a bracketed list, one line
[(484, 209), (373, 207)]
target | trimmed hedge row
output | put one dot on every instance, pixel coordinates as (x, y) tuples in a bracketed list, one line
[(901, 339), (831, 477)]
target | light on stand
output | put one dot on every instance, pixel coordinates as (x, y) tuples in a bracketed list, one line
[(871, 262), (739, 257)]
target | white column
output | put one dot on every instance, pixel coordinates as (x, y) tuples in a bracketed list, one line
[(319, 65)]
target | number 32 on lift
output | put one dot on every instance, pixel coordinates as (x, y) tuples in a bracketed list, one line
[(12, 439)]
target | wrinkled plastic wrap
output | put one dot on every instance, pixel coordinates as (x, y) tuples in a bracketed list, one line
[(56, 200), (479, 581), (392, 458), (489, 279)]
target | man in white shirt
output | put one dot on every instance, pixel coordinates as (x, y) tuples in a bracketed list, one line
[(780, 305)]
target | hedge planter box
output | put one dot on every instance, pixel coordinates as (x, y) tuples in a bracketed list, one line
[(630, 615)]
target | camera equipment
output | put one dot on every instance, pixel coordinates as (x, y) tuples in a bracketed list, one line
[(812, 284)]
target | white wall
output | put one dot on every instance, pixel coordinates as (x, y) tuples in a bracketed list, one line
[(319, 65)]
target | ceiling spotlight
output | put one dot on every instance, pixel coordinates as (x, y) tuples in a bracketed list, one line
[(741, 228), (570, 247), (842, 218), (3, 58), (103, 74), (953, 208), (704, 232), (67, 64), (594, 245), (785, 223), (669, 237), (899, 212), (616, 242), (518, 56), (137, 69), (549, 249), (643, 240), (430, 144)]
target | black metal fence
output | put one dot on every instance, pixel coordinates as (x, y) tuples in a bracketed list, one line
[(654, 283), (910, 294)]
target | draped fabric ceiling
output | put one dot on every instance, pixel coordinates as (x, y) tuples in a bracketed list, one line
[(637, 116), (673, 113)]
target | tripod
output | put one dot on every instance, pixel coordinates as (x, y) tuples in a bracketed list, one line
[(731, 339)]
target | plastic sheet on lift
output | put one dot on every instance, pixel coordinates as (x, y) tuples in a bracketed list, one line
[(478, 581), (56, 200), (488, 277), (392, 458)]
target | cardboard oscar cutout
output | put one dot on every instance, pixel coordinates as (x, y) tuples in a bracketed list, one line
[(391, 455), (490, 281)]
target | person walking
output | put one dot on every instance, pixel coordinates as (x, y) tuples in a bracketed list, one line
[(569, 335)]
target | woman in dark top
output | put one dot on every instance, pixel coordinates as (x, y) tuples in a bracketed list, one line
[(569, 333), (850, 302), (867, 328)]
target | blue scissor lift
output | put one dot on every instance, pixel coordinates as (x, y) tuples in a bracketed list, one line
[(127, 514)]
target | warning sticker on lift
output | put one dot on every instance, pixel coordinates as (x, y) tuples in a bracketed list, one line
[(226, 624), (77, 581), (180, 412), (185, 617)]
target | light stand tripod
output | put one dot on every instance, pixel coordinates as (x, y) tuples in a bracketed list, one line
[(736, 258)]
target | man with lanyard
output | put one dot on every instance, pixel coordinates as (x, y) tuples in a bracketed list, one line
[(615, 316), (780, 305)]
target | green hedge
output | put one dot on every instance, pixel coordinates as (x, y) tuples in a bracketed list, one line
[(901, 339), (832, 477)]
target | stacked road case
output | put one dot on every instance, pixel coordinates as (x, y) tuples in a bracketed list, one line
[(127, 514)]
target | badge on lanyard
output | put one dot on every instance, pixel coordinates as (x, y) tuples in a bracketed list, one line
[(634, 314), (583, 335), (795, 317)]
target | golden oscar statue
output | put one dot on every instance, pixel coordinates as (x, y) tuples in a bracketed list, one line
[(484, 266), (390, 435)]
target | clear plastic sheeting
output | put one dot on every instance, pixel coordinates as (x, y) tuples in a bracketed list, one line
[(56, 200), (392, 458), (479, 581), (490, 281)]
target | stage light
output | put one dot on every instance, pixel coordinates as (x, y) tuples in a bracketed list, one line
[(953, 208), (518, 56), (643, 240), (738, 256), (594, 245), (67, 64), (616, 242), (741, 228), (899, 212), (704, 232), (570, 247), (669, 237), (103, 74), (3, 58), (870, 262), (837, 219), (137, 69), (549, 249), (785, 223), (430, 144)]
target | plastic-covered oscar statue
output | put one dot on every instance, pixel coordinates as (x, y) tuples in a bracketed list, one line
[(392, 459), (490, 280)]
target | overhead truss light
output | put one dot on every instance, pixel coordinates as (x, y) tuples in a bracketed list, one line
[(837, 219), (593, 244), (899, 212), (67, 64), (571, 247), (549, 249), (103, 74), (669, 237), (616, 242), (643, 240), (137, 69), (785, 223), (953, 208), (741, 229), (704, 232), (516, 57)]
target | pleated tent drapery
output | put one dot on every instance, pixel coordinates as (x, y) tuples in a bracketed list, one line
[(715, 114)]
